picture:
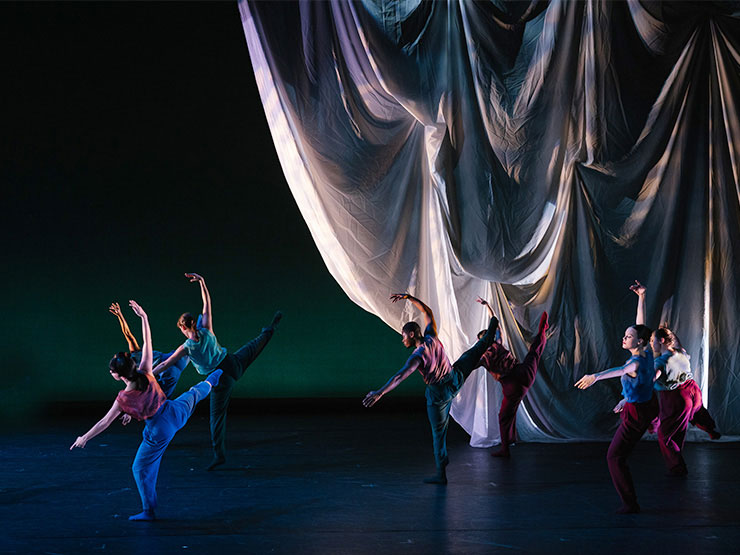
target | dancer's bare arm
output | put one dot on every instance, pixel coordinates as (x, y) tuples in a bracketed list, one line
[(207, 318), (101, 426), (590, 379), (639, 289), (408, 369), (171, 360), (145, 367), (133, 345), (428, 314)]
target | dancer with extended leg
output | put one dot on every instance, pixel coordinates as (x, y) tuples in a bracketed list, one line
[(206, 355), (143, 399), (638, 411), (515, 377), (167, 380), (679, 396)]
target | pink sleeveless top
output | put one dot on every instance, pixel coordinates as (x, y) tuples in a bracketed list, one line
[(142, 404)]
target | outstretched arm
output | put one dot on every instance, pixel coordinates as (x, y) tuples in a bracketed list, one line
[(590, 379), (133, 345), (484, 302), (639, 289), (145, 367), (428, 314), (171, 360), (101, 426), (408, 369), (207, 319)]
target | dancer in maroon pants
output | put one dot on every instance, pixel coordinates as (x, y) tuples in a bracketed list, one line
[(639, 410), (515, 377), (679, 396)]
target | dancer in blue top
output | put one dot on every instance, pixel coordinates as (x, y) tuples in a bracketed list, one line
[(167, 380), (679, 396), (639, 409), (206, 355)]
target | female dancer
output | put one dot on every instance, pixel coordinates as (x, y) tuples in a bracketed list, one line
[(443, 380), (206, 355), (144, 400), (167, 380), (679, 395), (639, 410), (515, 377)]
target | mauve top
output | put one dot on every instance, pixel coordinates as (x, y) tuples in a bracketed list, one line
[(435, 366), (142, 404)]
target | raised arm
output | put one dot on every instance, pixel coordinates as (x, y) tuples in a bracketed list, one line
[(101, 426), (408, 369), (428, 314), (207, 319), (590, 379), (133, 345), (484, 302), (145, 366), (639, 289)]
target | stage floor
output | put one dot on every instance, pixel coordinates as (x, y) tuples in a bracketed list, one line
[(350, 482)]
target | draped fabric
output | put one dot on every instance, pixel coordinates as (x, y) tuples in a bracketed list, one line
[(540, 155)]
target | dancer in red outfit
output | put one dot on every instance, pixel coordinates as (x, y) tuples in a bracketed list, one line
[(679, 395), (515, 377)]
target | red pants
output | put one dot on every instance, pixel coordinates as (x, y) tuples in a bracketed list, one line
[(636, 418), (515, 385), (678, 408)]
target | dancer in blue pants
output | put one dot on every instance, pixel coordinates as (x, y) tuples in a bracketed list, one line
[(143, 399), (166, 380)]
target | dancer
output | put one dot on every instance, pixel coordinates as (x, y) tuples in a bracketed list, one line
[(515, 378), (144, 400), (206, 355), (167, 380), (443, 380), (679, 396), (639, 410)]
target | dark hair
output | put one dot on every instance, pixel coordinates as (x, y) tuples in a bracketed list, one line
[(410, 327), (481, 333), (125, 366), (643, 332), (186, 320), (669, 338)]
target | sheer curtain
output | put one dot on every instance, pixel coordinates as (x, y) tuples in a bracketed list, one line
[(542, 155)]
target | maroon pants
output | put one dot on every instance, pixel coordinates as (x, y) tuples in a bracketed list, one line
[(678, 408), (515, 385), (636, 418)]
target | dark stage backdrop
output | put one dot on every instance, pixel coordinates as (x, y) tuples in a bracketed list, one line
[(135, 148)]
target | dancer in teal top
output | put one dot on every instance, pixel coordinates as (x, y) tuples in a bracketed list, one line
[(206, 355)]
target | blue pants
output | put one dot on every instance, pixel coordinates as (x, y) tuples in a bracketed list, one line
[(167, 380), (439, 400), (158, 432)]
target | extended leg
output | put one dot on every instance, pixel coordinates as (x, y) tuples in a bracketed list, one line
[(249, 352), (470, 359)]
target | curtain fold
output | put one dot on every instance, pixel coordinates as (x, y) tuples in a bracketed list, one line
[(540, 155)]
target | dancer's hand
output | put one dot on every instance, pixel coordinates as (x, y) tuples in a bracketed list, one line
[(399, 297), (194, 277), (620, 406), (586, 381), (115, 309), (125, 419), (371, 398), (79, 442), (482, 301), (137, 309), (638, 288)]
